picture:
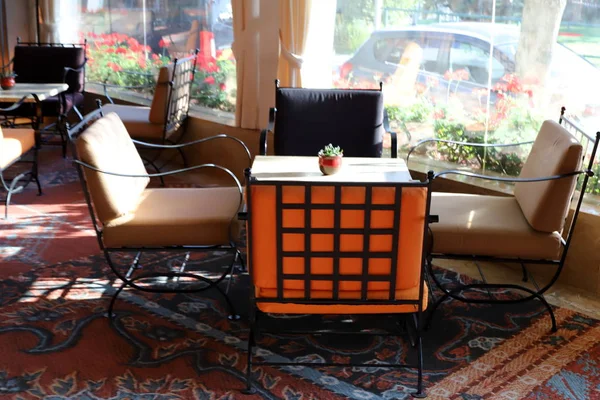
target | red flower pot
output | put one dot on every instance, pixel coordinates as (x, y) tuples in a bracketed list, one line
[(329, 165), (7, 82)]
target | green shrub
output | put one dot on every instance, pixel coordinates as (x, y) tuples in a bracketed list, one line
[(349, 35), (419, 111)]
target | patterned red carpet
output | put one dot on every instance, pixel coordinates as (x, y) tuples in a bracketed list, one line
[(56, 343)]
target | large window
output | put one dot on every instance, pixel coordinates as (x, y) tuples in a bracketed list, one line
[(129, 40), (472, 71)]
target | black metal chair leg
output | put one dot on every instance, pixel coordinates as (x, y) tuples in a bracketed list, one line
[(183, 157), (35, 173), (113, 300), (420, 394), (249, 387), (432, 310), (550, 311), (525, 275), (151, 162), (242, 267)]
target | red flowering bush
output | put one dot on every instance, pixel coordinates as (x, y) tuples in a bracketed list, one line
[(213, 85), (118, 59)]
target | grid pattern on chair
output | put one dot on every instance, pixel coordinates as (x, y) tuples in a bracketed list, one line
[(338, 244), (179, 95)]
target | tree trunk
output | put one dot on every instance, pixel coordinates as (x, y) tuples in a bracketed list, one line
[(539, 31)]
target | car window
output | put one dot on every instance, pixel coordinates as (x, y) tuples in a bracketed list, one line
[(390, 49), (474, 59), (431, 50)]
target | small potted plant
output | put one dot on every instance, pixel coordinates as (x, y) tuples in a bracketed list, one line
[(330, 159), (7, 80)]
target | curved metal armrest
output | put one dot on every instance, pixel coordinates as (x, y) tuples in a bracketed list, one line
[(78, 69), (262, 145), (203, 140), (195, 167), (464, 144), (394, 139), (16, 105), (516, 180)]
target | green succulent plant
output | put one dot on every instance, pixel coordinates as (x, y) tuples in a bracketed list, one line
[(331, 151)]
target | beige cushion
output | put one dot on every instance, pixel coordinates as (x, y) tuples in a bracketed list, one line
[(555, 152), (487, 226), (158, 108), (14, 143), (107, 146), (136, 120), (171, 217)]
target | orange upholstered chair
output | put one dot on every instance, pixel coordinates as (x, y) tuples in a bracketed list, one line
[(162, 122), (532, 227), (15, 145), (336, 248)]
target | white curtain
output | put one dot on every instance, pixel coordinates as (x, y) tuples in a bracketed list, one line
[(317, 64)]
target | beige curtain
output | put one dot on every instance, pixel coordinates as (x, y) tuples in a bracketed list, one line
[(293, 31), (49, 14), (256, 50), (59, 20)]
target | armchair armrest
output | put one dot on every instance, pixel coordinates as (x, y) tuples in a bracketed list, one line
[(161, 174), (464, 144), (262, 148), (16, 105), (70, 69), (203, 140), (393, 135), (516, 180)]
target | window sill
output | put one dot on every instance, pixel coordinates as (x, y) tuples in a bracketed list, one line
[(204, 113)]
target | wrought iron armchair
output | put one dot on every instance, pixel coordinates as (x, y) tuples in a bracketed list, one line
[(35, 62), (169, 109), (529, 228), (304, 120), (333, 248), (128, 217), (15, 144)]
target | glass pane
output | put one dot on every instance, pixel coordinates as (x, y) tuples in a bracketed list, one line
[(129, 40)]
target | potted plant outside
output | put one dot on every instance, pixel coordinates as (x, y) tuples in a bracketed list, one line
[(7, 80), (330, 159)]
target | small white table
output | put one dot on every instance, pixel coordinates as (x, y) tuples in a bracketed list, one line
[(37, 92), (306, 169)]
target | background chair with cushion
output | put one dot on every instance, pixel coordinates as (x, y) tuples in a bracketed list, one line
[(130, 217), (336, 249), (169, 109), (15, 145), (528, 228), (305, 120), (52, 63)]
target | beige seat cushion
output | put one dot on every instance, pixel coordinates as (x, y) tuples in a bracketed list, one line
[(107, 146), (13, 144), (487, 226), (172, 217), (555, 152), (137, 122)]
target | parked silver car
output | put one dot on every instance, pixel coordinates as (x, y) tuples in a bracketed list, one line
[(574, 82)]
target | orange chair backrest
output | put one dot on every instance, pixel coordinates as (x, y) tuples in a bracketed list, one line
[(344, 234)]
